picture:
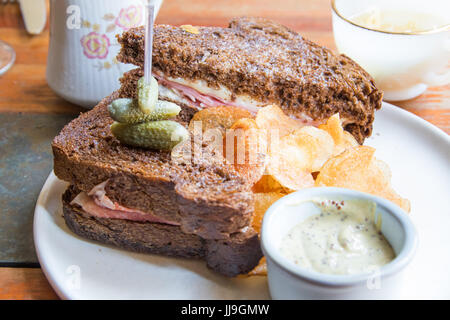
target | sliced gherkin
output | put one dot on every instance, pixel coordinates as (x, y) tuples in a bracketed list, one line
[(165, 110), (157, 135), (147, 95), (127, 111)]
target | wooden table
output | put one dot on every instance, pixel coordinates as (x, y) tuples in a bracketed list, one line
[(24, 88)]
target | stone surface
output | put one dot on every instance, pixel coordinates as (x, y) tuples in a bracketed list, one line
[(25, 162)]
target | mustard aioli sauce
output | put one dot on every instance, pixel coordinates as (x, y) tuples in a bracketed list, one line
[(343, 239)]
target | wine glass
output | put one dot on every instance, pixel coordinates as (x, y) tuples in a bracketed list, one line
[(7, 57), (7, 54)]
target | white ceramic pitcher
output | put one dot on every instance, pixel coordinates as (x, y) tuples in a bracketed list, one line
[(82, 66)]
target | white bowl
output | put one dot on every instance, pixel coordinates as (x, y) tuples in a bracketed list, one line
[(403, 64), (289, 281)]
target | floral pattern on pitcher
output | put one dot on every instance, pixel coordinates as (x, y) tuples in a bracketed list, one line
[(129, 17), (96, 45)]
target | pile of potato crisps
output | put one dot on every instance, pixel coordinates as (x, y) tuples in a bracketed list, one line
[(283, 155)]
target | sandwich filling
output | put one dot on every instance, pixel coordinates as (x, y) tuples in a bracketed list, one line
[(197, 93), (201, 96), (96, 203)]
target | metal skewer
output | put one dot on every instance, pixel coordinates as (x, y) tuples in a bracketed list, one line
[(148, 42)]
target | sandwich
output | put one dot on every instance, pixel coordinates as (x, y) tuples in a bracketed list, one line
[(142, 200), (145, 201), (253, 63)]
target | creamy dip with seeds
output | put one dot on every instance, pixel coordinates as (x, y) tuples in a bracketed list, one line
[(344, 238)]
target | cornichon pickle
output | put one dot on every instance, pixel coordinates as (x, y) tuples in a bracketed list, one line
[(127, 111), (147, 95), (157, 135)]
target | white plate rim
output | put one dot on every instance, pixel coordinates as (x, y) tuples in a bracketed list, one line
[(37, 240)]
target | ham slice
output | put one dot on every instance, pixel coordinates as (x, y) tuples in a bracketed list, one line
[(199, 99), (96, 203)]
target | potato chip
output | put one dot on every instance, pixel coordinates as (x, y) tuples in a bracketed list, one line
[(245, 124), (380, 168), (342, 139), (267, 184), (318, 143), (262, 202), (273, 118), (244, 142), (300, 179), (260, 269), (357, 168), (290, 165), (349, 140), (334, 128), (297, 155), (341, 169), (383, 166), (222, 117), (245, 147)]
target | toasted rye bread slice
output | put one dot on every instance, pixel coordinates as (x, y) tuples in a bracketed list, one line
[(206, 198), (237, 255), (268, 62)]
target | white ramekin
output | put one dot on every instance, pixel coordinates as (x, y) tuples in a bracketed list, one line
[(289, 281)]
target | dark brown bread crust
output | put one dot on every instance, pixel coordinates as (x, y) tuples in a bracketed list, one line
[(208, 199), (237, 255), (267, 61)]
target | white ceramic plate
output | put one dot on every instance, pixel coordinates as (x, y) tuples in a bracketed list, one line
[(419, 157)]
